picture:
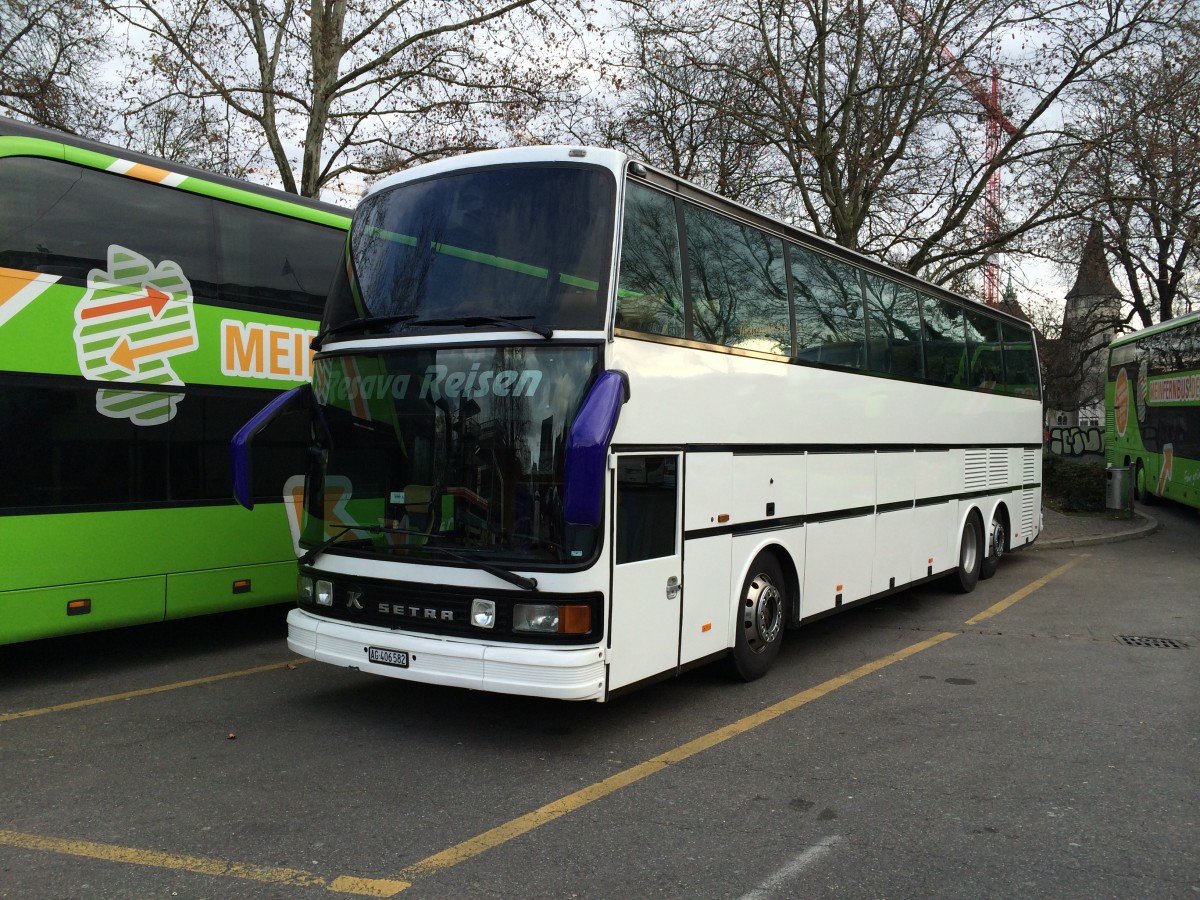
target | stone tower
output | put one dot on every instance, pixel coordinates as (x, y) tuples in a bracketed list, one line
[(1091, 319)]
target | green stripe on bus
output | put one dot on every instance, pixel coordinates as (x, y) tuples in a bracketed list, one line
[(498, 262), (579, 282)]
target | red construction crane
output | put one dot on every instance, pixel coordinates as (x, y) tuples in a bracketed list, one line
[(996, 122)]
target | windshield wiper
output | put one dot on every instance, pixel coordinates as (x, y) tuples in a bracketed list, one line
[(310, 555), (543, 330), (528, 584), (352, 324)]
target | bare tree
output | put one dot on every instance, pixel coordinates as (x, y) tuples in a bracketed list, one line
[(49, 54), (870, 113), (1142, 129), (356, 87)]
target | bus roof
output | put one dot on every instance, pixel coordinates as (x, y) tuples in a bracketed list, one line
[(617, 162), (14, 128), (1159, 328)]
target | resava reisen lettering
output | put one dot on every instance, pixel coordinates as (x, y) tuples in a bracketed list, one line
[(436, 383)]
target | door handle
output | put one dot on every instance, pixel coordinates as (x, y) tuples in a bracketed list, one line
[(673, 587)]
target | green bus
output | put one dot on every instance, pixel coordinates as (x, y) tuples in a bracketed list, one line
[(1152, 409), (147, 310)]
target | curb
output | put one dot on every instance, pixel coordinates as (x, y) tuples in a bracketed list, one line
[(1149, 525)]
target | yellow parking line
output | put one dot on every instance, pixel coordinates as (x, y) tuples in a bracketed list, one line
[(209, 679), (203, 865), (572, 802), (590, 794), (388, 887), (1026, 591)]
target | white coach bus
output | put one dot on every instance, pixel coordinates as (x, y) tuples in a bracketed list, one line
[(578, 425)]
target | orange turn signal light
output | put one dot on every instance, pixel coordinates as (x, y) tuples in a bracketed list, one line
[(575, 619)]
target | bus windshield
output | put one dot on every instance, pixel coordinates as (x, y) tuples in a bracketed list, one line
[(528, 246), (426, 452)]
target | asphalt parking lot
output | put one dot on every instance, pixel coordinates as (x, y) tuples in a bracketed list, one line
[(1007, 743)]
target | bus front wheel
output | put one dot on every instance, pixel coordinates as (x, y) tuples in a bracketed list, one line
[(971, 551), (762, 615)]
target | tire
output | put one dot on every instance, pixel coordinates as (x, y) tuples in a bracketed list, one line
[(763, 605), (1141, 492), (971, 551), (996, 543)]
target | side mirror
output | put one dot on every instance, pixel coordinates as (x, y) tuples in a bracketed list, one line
[(240, 446), (587, 448)]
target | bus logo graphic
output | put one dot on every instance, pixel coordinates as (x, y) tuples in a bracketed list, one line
[(1121, 402), (131, 320)]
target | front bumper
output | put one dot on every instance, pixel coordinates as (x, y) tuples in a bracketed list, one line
[(566, 674)]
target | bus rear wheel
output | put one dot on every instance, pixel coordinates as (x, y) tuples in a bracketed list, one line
[(971, 551), (997, 542), (762, 614), (1141, 491)]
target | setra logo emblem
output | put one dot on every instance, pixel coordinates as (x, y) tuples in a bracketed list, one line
[(354, 600)]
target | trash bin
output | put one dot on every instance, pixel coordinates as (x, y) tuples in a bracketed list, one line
[(1118, 489)]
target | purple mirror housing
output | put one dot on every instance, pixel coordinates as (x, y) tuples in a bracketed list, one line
[(240, 446), (587, 448)]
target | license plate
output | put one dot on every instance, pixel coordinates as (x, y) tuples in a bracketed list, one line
[(388, 657)]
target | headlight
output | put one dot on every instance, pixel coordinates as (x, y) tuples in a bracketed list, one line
[(483, 613), (304, 588), (324, 592), (552, 618)]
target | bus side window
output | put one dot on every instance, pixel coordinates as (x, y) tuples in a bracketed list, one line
[(828, 304), (944, 341), (62, 219), (895, 324), (739, 290), (274, 261), (983, 339), (1020, 364), (650, 290)]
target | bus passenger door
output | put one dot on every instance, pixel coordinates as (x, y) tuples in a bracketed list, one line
[(647, 594)]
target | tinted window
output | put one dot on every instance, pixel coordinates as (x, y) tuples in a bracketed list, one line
[(738, 286), (828, 304), (274, 261), (530, 244), (650, 296), (70, 454), (62, 219), (983, 342), (944, 342), (1020, 361), (646, 507), (895, 327)]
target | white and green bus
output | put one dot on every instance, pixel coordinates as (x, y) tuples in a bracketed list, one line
[(146, 310), (578, 425), (1152, 409)]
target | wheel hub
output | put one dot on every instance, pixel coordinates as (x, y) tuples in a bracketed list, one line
[(762, 613)]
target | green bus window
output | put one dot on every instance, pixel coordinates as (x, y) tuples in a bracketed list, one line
[(276, 262), (739, 290), (61, 219), (894, 319), (650, 290), (944, 342), (829, 316)]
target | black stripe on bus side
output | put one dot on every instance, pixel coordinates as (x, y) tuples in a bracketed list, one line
[(881, 447), (760, 526), (798, 449)]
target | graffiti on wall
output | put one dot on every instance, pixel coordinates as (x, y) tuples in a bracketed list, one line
[(1076, 440)]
